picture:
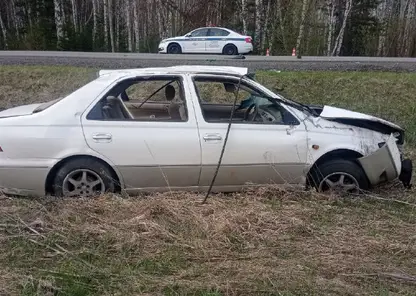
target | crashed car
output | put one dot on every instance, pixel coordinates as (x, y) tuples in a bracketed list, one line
[(159, 129)]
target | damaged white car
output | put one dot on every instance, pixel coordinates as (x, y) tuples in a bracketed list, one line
[(158, 129)]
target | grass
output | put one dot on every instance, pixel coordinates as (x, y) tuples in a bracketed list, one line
[(270, 241)]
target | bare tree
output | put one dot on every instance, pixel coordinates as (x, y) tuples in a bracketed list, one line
[(340, 38), (111, 24), (259, 18), (75, 14), (136, 25), (59, 23), (302, 23), (4, 32), (105, 17), (128, 25), (330, 25), (94, 26)]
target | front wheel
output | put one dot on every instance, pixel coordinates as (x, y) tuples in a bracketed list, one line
[(174, 48), (340, 176), (83, 177)]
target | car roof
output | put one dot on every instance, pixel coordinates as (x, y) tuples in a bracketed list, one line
[(221, 28), (186, 69)]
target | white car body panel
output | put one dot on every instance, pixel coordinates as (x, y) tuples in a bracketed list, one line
[(180, 155)]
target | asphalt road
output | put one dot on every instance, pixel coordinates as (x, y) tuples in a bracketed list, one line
[(139, 60)]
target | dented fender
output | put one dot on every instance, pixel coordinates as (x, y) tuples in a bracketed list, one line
[(384, 164)]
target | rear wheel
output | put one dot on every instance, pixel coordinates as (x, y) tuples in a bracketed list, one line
[(340, 176), (230, 50), (174, 48), (83, 177)]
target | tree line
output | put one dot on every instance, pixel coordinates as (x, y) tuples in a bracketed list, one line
[(313, 27)]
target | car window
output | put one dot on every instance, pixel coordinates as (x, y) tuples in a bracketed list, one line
[(216, 97), (143, 100), (218, 32), (200, 33)]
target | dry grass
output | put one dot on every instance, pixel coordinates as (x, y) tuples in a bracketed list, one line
[(263, 242), (269, 241)]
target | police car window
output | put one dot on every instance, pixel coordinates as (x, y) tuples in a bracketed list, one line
[(200, 33), (218, 32)]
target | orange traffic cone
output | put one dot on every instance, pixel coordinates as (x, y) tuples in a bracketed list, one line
[(267, 52), (294, 52)]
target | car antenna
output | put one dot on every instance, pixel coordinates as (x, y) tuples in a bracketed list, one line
[(225, 140)]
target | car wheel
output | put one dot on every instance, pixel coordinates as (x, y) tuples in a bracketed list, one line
[(83, 177), (340, 176), (174, 48), (230, 50)]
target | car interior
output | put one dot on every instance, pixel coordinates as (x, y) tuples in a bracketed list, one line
[(163, 100), (251, 106), (166, 103)]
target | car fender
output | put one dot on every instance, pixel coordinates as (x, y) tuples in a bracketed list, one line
[(88, 152)]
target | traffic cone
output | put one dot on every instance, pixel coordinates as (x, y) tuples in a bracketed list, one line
[(267, 52), (294, 52)]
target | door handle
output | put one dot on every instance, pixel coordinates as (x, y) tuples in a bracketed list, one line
[(102, 137), (214, 137)]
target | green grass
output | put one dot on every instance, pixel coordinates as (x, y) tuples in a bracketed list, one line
[(269, 241)]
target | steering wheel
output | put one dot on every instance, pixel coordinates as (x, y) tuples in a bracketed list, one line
[(252, 116)]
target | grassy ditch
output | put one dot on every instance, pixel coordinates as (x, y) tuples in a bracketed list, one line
[(270, 241)]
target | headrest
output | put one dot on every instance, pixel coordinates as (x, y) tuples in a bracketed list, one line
[(170, 92)]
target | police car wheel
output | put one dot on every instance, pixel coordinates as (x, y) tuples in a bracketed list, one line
[(174, 49), (230, 50)]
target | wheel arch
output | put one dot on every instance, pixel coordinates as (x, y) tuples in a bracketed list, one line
[(49, 179), (348, 154), (172, 43), (230, 44)]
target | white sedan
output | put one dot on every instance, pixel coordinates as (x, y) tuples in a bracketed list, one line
[(208, 40), (157, 129)]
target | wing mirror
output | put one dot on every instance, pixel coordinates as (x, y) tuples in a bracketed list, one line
[(188, 35)]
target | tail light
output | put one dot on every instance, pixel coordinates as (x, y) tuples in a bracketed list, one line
[(248, 40)]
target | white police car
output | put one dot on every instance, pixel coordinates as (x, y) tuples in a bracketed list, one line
[(208, 40)]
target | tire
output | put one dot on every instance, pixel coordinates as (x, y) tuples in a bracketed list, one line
[(331, 171), (230, 49), (174, 48), (69, 181)]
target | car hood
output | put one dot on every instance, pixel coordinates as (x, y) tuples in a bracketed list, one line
[(356, 119), (19, 111)]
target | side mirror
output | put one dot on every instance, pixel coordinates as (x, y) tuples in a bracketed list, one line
[(188, 35)]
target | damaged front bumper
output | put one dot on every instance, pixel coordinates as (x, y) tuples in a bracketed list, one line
[(386, 164)]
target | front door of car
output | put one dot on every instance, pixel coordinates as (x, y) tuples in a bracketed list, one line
[(256, 152), (195, 41), (156, 149)]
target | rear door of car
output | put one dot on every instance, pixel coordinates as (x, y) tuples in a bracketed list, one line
[(257, 153), (152, 152), (216, 40)]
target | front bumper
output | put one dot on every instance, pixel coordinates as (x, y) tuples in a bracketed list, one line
[(162, 48), (406, 173)]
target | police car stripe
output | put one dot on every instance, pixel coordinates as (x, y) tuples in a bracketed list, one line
[(208, 39)]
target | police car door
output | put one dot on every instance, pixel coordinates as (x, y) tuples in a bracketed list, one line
[(196, 41), (216, 40)]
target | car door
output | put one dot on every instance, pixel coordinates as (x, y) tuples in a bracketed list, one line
[(151, 151), (216, 40), (195, 41), (255, 152)]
